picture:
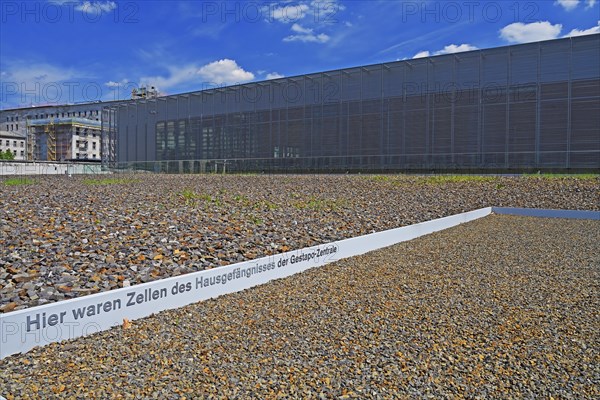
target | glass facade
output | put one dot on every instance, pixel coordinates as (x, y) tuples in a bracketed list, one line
[(530, 106)]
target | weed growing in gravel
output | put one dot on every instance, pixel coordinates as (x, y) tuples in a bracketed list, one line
[(19, 181), (265, 204), (442, 179), (255, 220), (189, 197), (192, 198), (240, 198), (561, 176), (381, 178), (110, 181)]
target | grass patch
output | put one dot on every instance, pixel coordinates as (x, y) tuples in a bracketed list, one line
[(240, 198), (563, 176), (262, 204), (380, 178), (109, 181), (192, 198), (256, 220), (18, 181), (443, 179)]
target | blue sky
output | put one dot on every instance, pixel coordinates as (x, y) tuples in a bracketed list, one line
[(70, 51)]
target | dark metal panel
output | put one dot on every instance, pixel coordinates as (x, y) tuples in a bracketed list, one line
[(586, 57)]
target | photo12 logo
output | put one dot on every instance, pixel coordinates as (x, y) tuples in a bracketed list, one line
[(468, 11), (252, 12), (36, 93), (53, 12)]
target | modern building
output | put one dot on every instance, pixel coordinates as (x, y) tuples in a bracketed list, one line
[(14, 143), (522, 107)]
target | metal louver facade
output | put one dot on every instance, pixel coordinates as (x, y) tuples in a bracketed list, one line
[(522, 107)]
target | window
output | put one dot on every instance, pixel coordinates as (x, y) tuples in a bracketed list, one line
[(94, 145), (17, 118), (94, 155), (8, 142), (22, 153), (15, 143), (7, 119), (22, 143), (17, 126), (11, 127)]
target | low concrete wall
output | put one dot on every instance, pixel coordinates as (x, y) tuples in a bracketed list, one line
[(25, 329), (8, 168)]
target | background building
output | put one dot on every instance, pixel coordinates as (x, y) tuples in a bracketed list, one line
[(530, 106), (14, 143), (83, 122), (61, 139)]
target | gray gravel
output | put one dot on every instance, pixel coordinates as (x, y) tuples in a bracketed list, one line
[(502, 307), (67, 237)]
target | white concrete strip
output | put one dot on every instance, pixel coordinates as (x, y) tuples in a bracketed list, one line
[(24, 168), (37, 326), (546, 213)]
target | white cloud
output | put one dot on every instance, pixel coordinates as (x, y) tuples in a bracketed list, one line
[(26, 74), (591, 31), (300, 29), (96, 7), (290, 13), (221, 72), (522, 33), (422, 54), (306, 35), (178, 75), (122, 82), (274, 75), (225, 72), (29, 83), (568, 5), (451, 48), (590, 4)]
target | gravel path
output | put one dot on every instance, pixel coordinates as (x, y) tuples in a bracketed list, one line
[(502, 307), (67, 237)]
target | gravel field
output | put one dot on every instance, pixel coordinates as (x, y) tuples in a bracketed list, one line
[(502, 307), (66, 237)]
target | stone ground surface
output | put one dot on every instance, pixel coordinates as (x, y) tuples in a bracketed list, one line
[(66, 237), (501, 307)]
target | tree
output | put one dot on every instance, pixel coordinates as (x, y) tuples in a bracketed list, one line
[(7, 155)]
